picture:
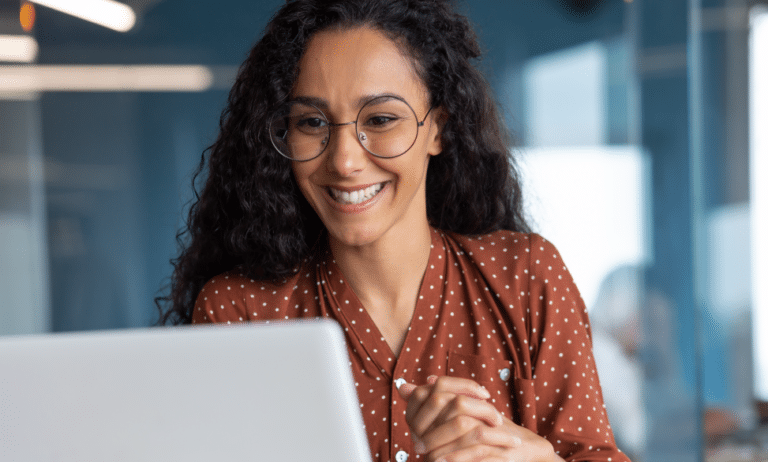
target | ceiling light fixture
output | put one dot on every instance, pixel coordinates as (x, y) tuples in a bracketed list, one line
[(18, 48), (19, 79), (108, 13)]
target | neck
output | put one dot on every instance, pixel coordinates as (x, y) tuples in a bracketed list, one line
[(386, 274)]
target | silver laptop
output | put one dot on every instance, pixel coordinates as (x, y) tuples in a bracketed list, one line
[(255, 392)]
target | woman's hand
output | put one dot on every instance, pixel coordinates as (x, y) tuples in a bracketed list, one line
[(451, 421)]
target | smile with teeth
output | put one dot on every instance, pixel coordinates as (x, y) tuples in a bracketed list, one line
[(356, 197)]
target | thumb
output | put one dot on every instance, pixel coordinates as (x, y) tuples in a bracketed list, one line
[(406, 390)]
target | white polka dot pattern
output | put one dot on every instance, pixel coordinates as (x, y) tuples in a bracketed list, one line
[(501, 309)]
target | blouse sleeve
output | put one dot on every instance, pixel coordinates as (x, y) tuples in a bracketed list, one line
[(568, 399)]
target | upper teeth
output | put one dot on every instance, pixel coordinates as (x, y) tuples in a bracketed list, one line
[(356, 197)]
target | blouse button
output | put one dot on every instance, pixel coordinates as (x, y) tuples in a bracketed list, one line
[(398, 383), (401, 456), (504, 374)]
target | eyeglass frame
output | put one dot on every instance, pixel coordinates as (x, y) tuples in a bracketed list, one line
[(357, 132)]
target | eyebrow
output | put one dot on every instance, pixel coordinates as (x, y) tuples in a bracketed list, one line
[(365, 99)]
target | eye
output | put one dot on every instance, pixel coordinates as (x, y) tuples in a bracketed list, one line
[(311, 122), (381, 120)]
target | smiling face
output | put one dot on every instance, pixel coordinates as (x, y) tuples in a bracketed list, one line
[(360, 197)]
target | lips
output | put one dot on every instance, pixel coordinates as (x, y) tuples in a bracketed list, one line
[(357, 196)]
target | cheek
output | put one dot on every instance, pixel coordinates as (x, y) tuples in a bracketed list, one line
[(417, 167), (302, 175), (411, 166)]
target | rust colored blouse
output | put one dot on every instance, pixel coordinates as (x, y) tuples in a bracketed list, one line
[(501, 309)]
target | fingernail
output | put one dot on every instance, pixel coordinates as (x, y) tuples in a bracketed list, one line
[(485, 393), (432, 379), (406, 389), (516, 442)]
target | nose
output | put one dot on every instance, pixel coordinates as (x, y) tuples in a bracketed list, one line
[(345, 156)]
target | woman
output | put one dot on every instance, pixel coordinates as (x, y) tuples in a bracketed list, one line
[(362, 174)]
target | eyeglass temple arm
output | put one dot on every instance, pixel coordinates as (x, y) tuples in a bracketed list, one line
[(421, 124)]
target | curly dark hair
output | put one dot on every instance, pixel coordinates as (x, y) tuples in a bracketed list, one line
[(251, 211)]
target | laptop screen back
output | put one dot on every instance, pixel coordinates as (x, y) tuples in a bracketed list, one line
[(237, 393)]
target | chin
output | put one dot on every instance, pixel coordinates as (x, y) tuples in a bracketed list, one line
[(354, 236)]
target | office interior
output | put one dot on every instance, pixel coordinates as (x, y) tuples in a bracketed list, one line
[(641, 129)]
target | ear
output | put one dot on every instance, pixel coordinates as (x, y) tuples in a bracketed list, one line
[(437, 119)]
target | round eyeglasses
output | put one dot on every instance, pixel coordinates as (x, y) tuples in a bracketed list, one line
[(386, 126)]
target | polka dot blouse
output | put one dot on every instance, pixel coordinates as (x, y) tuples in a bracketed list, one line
[(501, 309)]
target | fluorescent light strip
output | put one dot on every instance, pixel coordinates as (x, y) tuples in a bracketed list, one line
[(18, 48), (758, 95), (31, 79), (108, 13)]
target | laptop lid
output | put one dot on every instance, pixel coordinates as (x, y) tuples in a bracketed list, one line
[(252, 392)]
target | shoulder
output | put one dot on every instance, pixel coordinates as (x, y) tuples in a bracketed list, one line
[(234, 296), (237, 281), (503, 246), (523, 269)]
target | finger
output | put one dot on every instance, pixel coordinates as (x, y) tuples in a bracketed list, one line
[(406, 390), (416, 399), (449, 434), (461, 386), (451, 384), (475, 454), (434, 413), (471, 407), (456, 385), (424, 406), (480, 440), (470, 430), (426, 402)]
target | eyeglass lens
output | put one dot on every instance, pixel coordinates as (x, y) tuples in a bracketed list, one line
[(385, 126)]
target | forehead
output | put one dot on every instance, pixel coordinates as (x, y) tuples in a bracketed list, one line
[(341, 66)]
